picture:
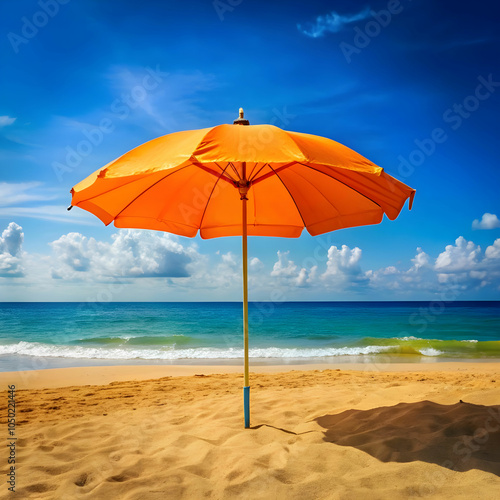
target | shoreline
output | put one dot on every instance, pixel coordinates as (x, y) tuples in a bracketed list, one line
[(104, 375), (9, 363)]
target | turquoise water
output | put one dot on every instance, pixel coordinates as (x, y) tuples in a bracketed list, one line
[(38, 335)]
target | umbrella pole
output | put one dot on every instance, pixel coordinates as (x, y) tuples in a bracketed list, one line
[(246, 387)]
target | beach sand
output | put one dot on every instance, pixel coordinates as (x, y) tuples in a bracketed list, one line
[(393, 431)]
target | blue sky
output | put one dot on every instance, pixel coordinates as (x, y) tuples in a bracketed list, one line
[(412, 85)]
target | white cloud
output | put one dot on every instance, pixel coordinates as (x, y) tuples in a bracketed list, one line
[(460, 268), (6, 120), (463, 256), (488, 221), (420, 260), (301, 279), (343, 267), (132, 253), (420, 276), (390, 270), (84, 266), (11, 243), (331, 23), (288, 273), (255, 264), (342, 260), (12, 239), (479, 275), (223, 274), (465, 267), (493, 251), (284, 267), (229, 259)]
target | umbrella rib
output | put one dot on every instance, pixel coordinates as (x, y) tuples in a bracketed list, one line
[(291, 196), (317, 189), (147, 189), (251, 175), (274, 171), (178, 167), (167, 221), (347, 185), (210, 196), (216, 174), (234, 182), (168, 175), (350, 187), (235, 171), (341, 182)]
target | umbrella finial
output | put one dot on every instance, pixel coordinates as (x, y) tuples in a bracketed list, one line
[(241, 120)]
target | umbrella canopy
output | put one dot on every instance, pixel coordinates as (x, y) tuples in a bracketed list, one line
[(189, 181), (233, 180)]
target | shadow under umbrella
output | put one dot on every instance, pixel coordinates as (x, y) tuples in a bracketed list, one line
[(460, 437)]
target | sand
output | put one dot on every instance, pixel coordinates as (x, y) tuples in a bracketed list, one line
[(162, 432)]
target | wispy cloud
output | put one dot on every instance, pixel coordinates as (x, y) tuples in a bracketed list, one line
[(465, 43), (53, 213), (6, 120), (21, 192), (20, 200), (158, 95), (331, 23)]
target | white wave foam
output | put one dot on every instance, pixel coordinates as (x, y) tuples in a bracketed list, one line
[(170, 353), (471, 341), (430, 351), (411, 337)]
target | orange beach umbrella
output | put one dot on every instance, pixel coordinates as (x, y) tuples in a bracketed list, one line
[(233, 180)]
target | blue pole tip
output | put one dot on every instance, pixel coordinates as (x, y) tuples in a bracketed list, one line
[(246, 406)]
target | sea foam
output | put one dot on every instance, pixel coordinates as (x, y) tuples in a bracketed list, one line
[(170, 353)]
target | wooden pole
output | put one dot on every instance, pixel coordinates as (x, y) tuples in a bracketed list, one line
[(246, 388)]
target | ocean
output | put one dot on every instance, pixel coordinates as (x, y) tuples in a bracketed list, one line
[(49, 335)]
